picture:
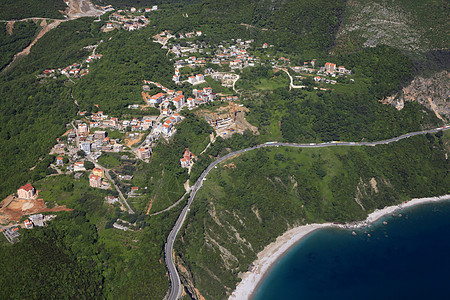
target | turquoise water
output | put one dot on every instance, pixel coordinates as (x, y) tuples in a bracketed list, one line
[(408, 258)]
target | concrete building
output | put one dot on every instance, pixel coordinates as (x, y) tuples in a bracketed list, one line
[(38, 220), (192, 79), (100, 134), (200, 77), (26, 191), (111, 199), (86, 147), (117, 147), (79, 166)]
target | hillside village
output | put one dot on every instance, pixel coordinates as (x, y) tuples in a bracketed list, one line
[(195, 63)]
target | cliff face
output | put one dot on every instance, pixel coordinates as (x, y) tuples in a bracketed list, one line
[(412, 26), (433, 93)]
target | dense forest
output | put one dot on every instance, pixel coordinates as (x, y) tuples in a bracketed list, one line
[(16, 10), (249, 200)]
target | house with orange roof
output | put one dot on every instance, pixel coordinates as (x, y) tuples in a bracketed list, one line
[(99, 172), (188, 159), (59, 161), (95, 181), (178, 101), (144, 153)]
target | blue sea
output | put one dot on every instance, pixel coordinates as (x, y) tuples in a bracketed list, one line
[(407, 258)]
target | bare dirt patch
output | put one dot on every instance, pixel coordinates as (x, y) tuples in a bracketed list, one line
[(10, 27), (131, 142), (14, 209), (230, 166)]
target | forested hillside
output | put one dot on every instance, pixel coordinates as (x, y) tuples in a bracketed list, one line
[(14, 38)]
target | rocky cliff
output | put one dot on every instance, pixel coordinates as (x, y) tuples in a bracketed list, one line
[(433, 93)]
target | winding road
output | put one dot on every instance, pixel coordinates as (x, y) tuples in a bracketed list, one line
[(292, 85), (175, 287)]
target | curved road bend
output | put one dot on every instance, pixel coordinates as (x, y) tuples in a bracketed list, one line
[(175, 283)]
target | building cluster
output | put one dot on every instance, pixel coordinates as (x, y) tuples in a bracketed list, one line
[(76, 69), (331, 69), (167, 127), (12, 234), (324, 72), (189, 48), (163, 37), (197, 79), (128, 20), (93, 139), (37, 220), (236, 55)]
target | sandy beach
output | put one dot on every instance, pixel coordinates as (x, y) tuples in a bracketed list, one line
[(275, 250)]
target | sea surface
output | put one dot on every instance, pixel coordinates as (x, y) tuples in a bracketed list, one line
[(407, 258)]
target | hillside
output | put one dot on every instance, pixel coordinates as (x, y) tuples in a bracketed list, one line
[(251, 199)]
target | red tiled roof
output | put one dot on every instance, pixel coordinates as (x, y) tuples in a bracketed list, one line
[(27, 187)]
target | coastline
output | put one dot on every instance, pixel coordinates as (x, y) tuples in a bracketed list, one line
[(275, 250)]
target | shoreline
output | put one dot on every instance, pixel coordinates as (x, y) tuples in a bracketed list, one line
[(275, 250)]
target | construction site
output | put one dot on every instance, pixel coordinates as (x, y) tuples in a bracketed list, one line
[(229, 119), (12, 209)]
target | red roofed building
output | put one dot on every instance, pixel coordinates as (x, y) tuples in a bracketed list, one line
[(26, 192), (330, 67), (95, 181), (178, 101), (188, 159)]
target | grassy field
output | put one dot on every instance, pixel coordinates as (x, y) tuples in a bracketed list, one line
[(272, 83)]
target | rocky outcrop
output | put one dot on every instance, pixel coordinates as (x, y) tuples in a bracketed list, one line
[(433, 93)]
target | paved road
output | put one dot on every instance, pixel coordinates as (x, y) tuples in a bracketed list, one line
[(175, 288)]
